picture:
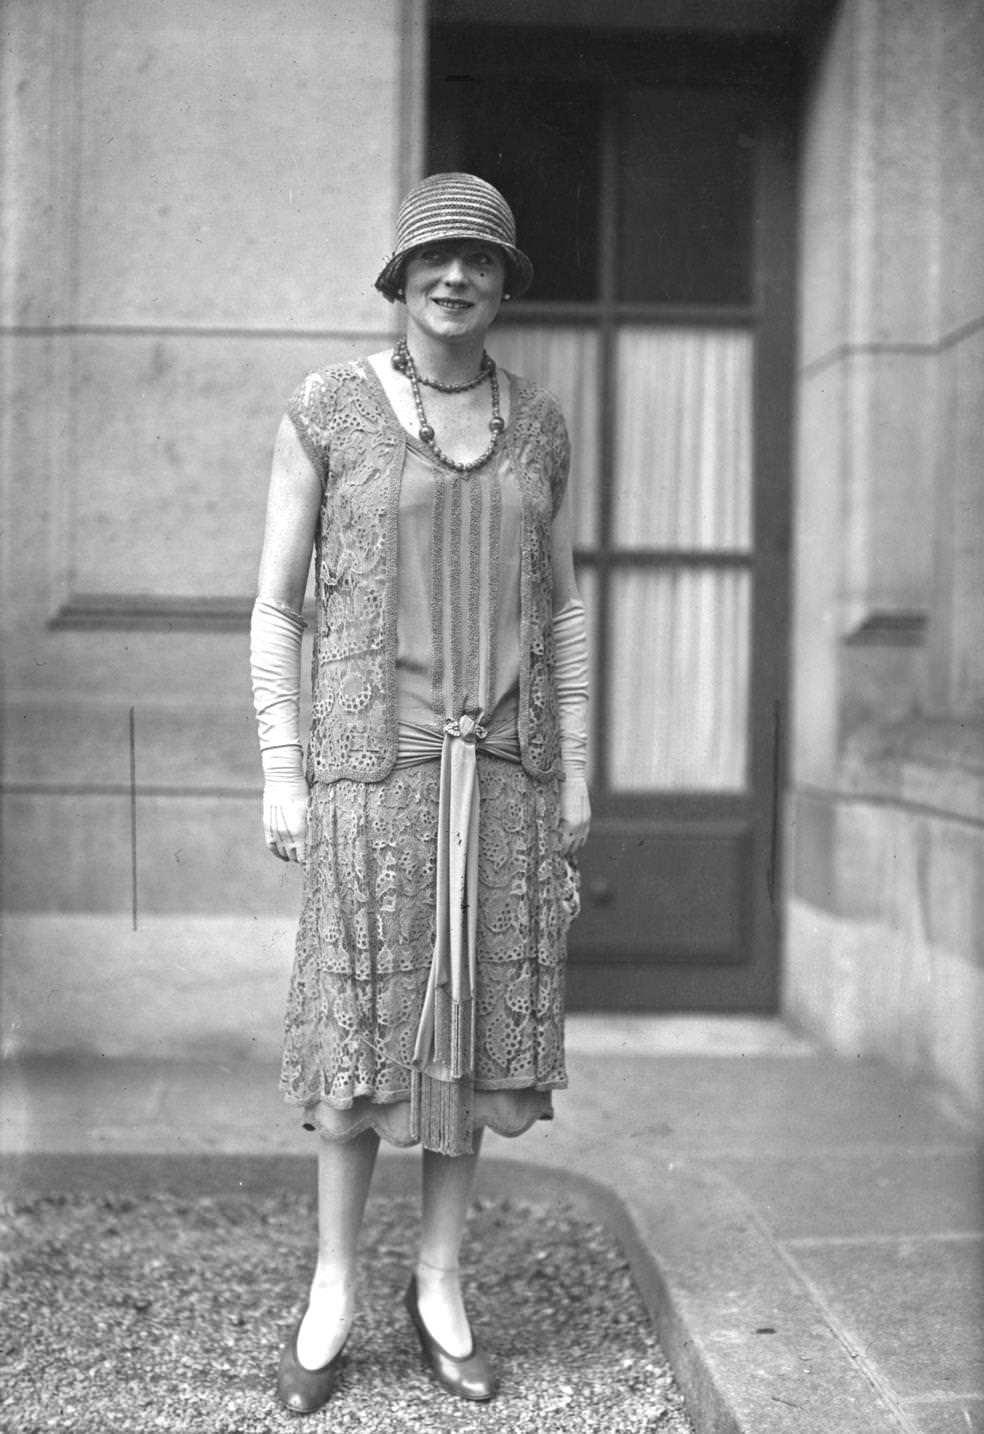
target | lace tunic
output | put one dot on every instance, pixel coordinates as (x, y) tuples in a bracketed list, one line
[(367, 928)]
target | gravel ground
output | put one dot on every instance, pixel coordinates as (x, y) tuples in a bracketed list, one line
[(136, 1313)]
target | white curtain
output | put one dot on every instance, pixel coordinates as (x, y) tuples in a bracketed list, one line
[(680, 636), (683, 465), (678, 680), (563, 359)]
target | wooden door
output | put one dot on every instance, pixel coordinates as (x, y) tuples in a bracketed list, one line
[(653, 184)]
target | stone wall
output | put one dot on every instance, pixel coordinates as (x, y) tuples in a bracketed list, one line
[(196, 197), (885, 936)]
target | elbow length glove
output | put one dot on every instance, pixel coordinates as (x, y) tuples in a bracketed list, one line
[(571, 669), (275, 667)]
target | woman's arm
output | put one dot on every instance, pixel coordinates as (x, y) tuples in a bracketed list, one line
[(291, 520), (275, 642), (571, 656), (562, 549)]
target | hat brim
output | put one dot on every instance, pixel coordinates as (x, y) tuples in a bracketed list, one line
[(519, 269)]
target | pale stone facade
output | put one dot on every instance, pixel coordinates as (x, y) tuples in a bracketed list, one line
[(885, 932), (195, 200)]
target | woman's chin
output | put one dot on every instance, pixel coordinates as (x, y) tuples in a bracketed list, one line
[(451, 323)]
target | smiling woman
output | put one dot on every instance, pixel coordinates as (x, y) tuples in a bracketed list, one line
[(452, 293), (443, 799)]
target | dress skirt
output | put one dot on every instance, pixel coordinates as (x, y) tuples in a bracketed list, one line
[(365, 944)]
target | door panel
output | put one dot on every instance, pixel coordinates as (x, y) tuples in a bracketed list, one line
[(670, 912)]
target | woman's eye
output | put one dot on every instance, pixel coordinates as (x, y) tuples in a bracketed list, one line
[(475, 258)]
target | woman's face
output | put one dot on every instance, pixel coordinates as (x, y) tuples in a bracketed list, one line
[(454, 288)]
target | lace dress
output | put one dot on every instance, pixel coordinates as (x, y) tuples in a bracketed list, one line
[(367, 929)]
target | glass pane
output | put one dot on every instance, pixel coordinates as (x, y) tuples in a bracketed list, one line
[(683, 465), (686, 198), (563, 359), (535, 137), (678, 699)]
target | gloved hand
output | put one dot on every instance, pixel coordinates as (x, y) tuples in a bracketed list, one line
[(285, 803), (275, 667), (571, 668), (575, 814)]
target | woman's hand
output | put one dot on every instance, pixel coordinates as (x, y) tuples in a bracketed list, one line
[(575, 815), (285, 802)]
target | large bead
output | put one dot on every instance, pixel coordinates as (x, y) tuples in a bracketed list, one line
[(497, 424), (426, 433)]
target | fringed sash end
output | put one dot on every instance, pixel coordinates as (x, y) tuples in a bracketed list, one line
[(441, 1114)]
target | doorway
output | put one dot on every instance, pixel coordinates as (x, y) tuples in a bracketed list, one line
[(653, 182)]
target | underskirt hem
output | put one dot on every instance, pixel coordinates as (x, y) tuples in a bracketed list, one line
[(395, 1097), (391, 1120)]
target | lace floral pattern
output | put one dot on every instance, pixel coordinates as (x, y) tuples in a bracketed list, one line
[(367, 926), (358, 455)]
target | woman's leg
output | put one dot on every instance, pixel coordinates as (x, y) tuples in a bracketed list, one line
[(447, 1185), (344, 1174)]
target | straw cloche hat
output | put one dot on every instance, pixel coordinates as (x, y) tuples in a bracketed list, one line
[(455, 206)]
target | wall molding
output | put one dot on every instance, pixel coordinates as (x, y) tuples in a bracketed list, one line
[(124, 612), (119, 612), (196, 331), (901, 349), (889, 629)]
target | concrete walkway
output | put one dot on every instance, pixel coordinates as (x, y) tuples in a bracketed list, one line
[(807, 1232)]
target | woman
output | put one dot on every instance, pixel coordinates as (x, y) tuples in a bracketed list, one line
[(444, 791)]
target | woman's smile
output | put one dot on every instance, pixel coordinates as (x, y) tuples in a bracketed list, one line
[(458, 282)]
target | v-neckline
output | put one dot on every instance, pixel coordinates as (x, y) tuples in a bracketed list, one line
[(411, 439)]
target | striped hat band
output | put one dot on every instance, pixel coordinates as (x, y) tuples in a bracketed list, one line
[(455, 206)]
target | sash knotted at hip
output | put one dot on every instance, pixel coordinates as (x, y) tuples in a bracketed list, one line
[(442, 1076)]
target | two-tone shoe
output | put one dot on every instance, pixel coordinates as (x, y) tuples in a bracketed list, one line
[(301, 1390), (470, 1376)]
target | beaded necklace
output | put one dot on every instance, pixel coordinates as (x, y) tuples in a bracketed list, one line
[(403, 362)]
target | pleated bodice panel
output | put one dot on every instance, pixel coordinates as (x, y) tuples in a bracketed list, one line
[(458, 632)]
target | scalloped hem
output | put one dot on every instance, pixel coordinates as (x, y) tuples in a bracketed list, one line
[(506, 1112)]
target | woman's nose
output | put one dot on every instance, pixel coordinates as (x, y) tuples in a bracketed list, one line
[(454, 271)]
